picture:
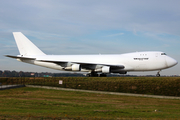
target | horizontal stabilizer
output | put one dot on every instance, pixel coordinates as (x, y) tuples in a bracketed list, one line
[(17, 57)]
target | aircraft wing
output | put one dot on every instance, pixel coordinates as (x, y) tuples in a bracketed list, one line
[(85, 65)]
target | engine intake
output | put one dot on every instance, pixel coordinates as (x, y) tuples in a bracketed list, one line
[(106, 69), (76, 67)]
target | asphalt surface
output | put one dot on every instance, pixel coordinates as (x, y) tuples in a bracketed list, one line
[(3, 87)]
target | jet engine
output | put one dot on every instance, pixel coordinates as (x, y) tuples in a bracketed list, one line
[(106, 69), (76, 67)]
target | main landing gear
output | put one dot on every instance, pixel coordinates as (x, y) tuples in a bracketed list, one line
[(94, 74), (158, 74)]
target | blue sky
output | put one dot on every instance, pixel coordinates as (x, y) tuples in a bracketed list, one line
[(90, 27)]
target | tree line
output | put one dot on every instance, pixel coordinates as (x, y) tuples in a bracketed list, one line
[(7, 73)]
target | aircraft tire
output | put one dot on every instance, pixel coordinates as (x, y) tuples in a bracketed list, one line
[(158, 75), (103, 75)]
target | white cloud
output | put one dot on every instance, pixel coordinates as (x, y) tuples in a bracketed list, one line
[(114, 35)]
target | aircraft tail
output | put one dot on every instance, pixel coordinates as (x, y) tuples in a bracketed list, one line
[(25, 46)]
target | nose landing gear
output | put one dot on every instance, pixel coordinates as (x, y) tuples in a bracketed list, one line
[(158, 74)]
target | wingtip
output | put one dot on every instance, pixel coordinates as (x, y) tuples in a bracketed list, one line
[(16, 32)]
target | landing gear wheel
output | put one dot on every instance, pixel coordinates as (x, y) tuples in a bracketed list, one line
[(102, 75), (88, 75), (158, 75), (92, 74)]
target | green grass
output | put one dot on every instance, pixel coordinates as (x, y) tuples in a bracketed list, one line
[(26, 103), (167, 86)]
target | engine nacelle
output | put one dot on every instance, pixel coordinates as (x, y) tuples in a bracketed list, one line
[(76, 67), (106, 69)]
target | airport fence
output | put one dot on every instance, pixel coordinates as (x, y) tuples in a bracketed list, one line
[(169, 86)]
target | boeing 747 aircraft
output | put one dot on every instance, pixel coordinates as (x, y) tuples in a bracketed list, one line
[(95, 65)]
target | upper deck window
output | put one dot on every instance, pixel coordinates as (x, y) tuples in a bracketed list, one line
[(163, 53)]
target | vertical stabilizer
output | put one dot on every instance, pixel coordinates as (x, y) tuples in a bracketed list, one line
[(25, 46)]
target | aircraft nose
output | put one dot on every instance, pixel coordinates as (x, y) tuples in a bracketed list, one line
[(170, 61)]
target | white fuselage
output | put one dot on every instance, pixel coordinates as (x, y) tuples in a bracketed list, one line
[(137, 61)]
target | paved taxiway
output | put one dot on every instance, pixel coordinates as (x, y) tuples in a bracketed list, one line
[(3, 87)]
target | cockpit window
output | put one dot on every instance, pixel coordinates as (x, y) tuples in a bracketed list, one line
[(163, 53)]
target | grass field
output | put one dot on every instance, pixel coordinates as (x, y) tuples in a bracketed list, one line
[(166, 86), (34, 103)]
